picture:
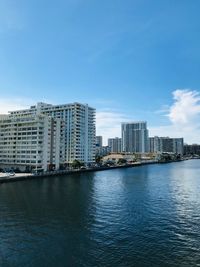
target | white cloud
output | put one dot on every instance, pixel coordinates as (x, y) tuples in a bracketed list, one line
[(186, 107), (184, 115)]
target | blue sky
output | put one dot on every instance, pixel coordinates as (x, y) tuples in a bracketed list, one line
[(125, 58)]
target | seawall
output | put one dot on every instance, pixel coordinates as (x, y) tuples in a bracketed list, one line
[(68, 172)]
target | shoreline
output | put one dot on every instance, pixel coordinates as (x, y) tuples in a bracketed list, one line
[(23, 176)]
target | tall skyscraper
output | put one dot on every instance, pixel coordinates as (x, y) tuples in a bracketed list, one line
[(115, 144), (135, 137)]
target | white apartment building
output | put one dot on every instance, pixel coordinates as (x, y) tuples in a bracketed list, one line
[(79, 129), (31, 142), (166, 144), (135, 137), (115, 144)]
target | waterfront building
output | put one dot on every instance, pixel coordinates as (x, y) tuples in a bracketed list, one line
[(135, 137), (178, 145), (79, 127), (193, 149), (116, 158), (31, 142), (115, 145), (166, 144)]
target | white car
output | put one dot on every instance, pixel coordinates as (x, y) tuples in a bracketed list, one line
[(8, 174)]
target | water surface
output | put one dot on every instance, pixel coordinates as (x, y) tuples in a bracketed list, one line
[(142, 216)]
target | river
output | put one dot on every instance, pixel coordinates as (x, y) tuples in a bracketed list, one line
[(135, 217)]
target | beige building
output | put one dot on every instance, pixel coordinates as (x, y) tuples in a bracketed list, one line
[(116, 157)]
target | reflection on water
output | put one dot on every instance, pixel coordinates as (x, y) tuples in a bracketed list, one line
[(144, 216)]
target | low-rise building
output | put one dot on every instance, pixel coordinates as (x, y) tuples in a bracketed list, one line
[(116, 157)]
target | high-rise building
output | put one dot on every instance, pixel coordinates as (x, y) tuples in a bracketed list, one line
[(79, 130), (178, 144), (99, 141), (166, 144), (152, 144), (115, 145), (135, 137), (99, 145), (31, 142)]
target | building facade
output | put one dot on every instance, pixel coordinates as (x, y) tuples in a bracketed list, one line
[(79, 130), (193, 149), (115, 145), (166, 144), (99, 145), (103, 151), (135, 137), (99, 141), (31, 142)]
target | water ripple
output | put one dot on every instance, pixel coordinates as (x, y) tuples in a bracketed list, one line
[(144, 216)]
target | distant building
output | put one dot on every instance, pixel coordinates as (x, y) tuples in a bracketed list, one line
[(99, 141), (179, 145), (166, 144), (151, 144), (115, 145), (193, 149), (135, 137), (103, 151), (114, 158)]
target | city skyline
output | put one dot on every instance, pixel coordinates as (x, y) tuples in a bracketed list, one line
[(117, 133), (131, 61)]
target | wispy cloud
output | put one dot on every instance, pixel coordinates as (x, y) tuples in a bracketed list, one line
[(184, 117), (163, 110)]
